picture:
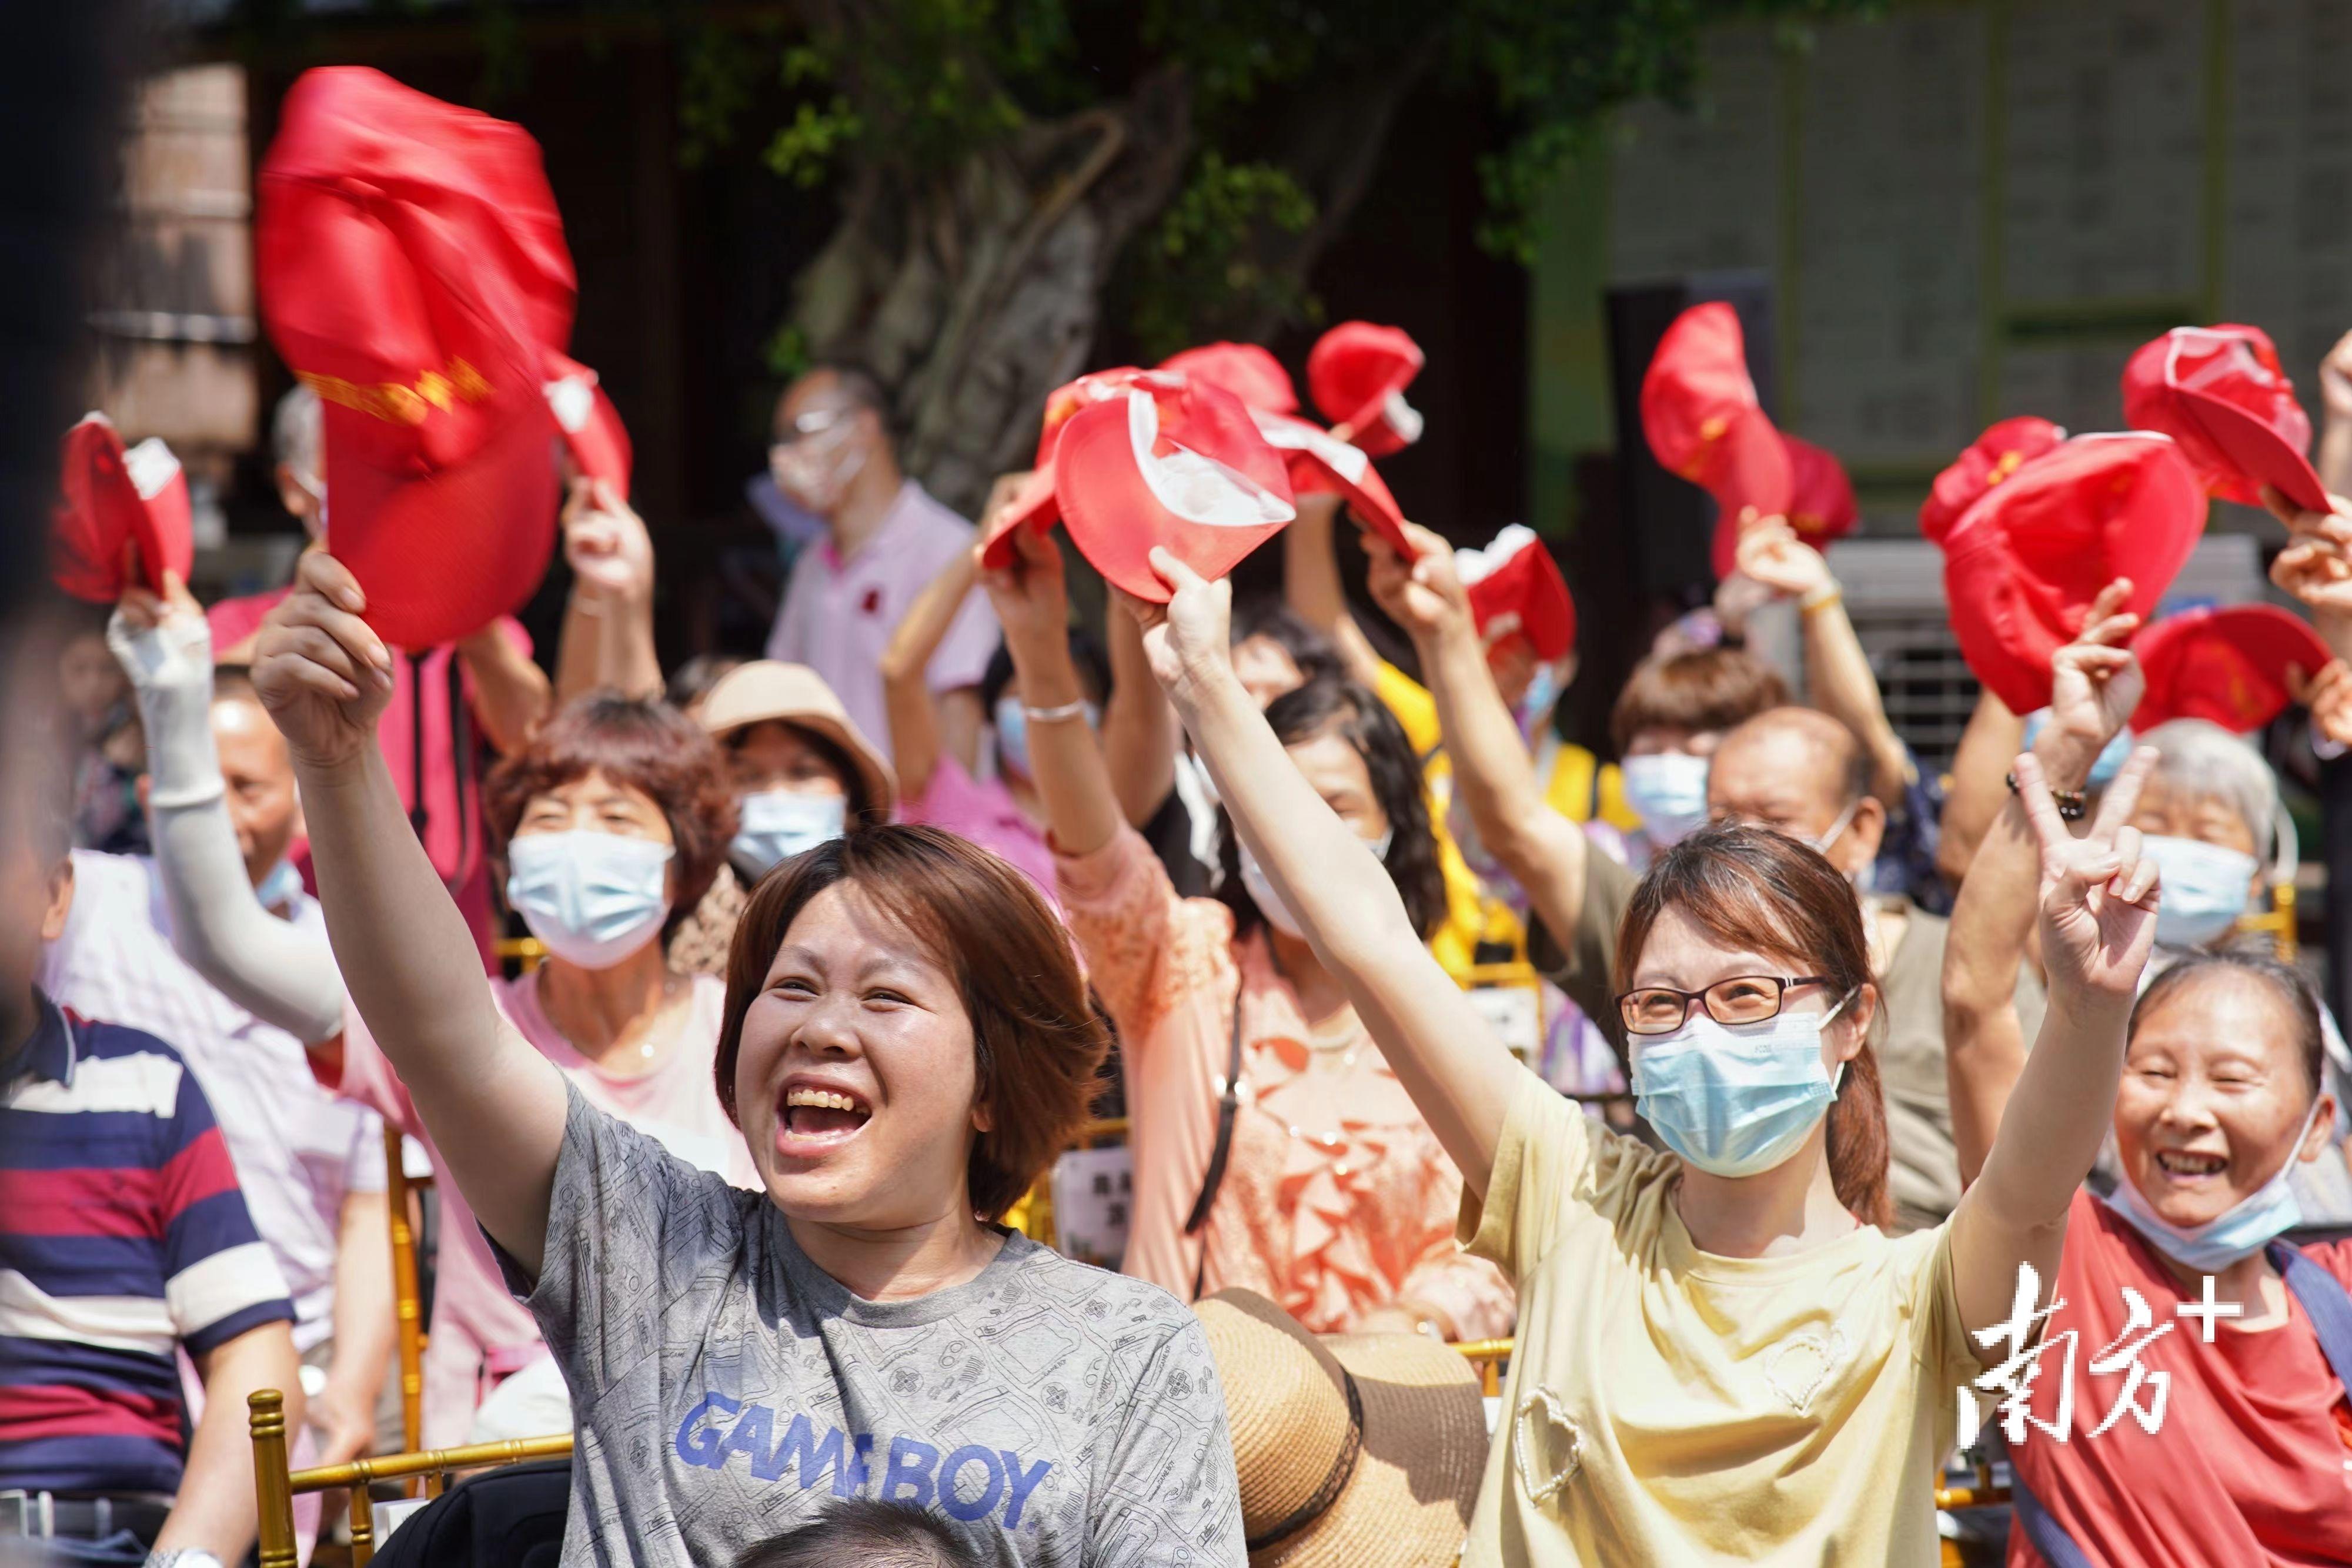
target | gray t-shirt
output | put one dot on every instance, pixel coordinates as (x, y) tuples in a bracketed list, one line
[(1054, 1415)]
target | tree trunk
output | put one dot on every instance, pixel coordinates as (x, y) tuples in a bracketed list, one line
[(974, 296)]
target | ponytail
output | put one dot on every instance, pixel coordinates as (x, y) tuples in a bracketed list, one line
[(1857, 1142)]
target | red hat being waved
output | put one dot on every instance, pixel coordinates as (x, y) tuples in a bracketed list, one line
[(1357, 373), (1035, 506), (1245, 370), (2221, 393), (2228, 664), (1999, 451), (1169, 462), (588, 422), (110, 498), (413, 275), (1320, 463), (1701, 416), (1515, 586), (2023, 564)]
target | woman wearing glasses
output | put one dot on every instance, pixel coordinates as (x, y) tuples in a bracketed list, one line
[(1720, 1358)]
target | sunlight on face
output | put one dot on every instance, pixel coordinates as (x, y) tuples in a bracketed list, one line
[(258, 776), (1338, 772), (1653, 739), (1682, 955), (2213, 1092), (2208, 818), (857, 1080), (1265, 669)]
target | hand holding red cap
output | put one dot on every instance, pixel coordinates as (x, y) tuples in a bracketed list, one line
[(2221, 393), (111, 499)]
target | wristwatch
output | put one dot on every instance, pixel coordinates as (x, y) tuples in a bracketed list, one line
[(186, 1557)]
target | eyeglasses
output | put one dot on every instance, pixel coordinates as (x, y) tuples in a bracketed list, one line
[(817, 422), (1743, 998)]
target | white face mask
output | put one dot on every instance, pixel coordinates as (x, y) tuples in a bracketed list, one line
[(1669, 790), (593, 897), (2245, 1226), (777, 825), (815, 471), (1270, 902), (2204, 888)]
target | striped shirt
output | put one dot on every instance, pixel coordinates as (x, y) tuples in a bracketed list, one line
[(122, 1235)]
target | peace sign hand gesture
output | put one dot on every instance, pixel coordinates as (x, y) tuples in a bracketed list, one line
[(2098, 895)]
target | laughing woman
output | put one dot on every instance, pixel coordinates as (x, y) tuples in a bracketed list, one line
[(1718, 1360), (906, 1043)]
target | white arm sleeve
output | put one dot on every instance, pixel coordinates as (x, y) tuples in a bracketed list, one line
[(271, 967)]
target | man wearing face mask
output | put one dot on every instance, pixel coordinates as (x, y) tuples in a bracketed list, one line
[(886, 539), (1802, 773)]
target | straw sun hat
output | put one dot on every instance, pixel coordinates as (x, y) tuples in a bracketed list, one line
[(1354, 1450), (796, 695)]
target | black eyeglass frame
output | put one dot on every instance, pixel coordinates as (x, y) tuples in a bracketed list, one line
[(1780, 984)]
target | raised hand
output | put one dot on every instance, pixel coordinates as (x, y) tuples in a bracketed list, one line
[(1771, 554), (2335, 524), (2328, 696), (2317, 572), (2096, 686), (1188, 640), (1424, 595), (1031, 601), (2335, 380), (2098, 895), (606, 544), (322, 672)]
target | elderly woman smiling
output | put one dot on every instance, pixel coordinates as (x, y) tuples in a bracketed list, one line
[(907, 1042)]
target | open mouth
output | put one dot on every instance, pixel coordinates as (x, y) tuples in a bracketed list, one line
[(810, 1119), (2181, 1166)]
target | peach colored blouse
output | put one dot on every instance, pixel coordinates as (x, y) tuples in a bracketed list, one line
[(1337, 1199)]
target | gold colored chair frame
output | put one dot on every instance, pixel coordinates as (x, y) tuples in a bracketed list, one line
[(275, 1486)]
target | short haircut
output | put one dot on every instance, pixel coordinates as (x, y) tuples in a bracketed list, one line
[(2199, 759), (2288, 986), (691, 682), (297, 431), (1268, 616), (862, 1532), (1849, 759), (1036, 1037), (643, 744), (1329, 704), (1085, 652), (860, 387), (1702, 690)]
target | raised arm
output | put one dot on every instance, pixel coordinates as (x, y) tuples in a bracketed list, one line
[(607, 639), (495, 1105), (1975, 795), (1442, 1051), (1311, 585), (2098, 901), (1140, 732), (2334, 458), (273, 969), (2094, 686), (1543, 851), (1082, 809), (511, 692), (1841, 681), (917, 737)]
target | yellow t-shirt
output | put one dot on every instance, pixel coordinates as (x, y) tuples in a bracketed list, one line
[(1667, 1405)]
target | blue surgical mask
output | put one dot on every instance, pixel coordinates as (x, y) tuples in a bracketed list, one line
[(593, 898), (1270, 902), (1669, 790), (777, 825), (1736, 1100), (1012, 733), (2203, 888), (1534, 710), (2110, 761), (280, 888), (2245, 1227)]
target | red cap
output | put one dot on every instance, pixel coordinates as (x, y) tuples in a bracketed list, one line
[(1245, 370), (1320, 463), (1999, 451), (1172, 463), (591, 426), (113, 497), (1701, 416), (2227, 665), (2219, 393), (413, 275), (1516, 587), (1357, 374), (1035, 506), (1821, 506), (2023, 564)]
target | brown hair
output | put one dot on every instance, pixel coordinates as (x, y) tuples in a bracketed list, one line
[(1751, 887), (1705, 689), (1037, 1040), (643, 744)]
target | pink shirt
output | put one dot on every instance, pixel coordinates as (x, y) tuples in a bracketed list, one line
[(479, 1333), (837, 615), (451, 762), (1337, 1199), (982, 811)]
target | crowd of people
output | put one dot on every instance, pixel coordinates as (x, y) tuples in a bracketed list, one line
[(1794, 1112)]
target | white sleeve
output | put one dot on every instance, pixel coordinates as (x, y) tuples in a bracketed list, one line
[(278, 972)]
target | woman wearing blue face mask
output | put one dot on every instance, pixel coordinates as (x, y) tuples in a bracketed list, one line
[(1720, 1357), (1274, 1147), (803, 773)]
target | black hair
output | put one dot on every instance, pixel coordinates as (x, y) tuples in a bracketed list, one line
[(1085, 652), (692, 681), (1332, 704), (862, 1532), (861, 388), (1266, 615), (2287, 984)]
